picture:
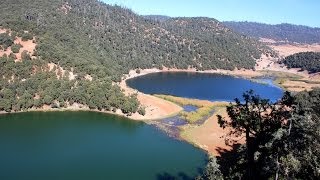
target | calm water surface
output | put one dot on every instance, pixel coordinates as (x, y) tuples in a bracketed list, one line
[(88, 145), (214, 87)]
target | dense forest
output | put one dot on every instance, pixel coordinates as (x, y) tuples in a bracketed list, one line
[(282, 139), (309, 61), (280, 32), (91, 39)]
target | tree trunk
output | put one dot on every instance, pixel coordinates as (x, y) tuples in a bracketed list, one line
[(278, 168), (250, 156)]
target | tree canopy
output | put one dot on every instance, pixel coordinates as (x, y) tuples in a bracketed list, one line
[(309, 61), (282, 138)]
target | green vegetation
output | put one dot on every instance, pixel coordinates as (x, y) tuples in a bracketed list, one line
[(195, 116), (26, 36), (15, 48), (5, 40), (280, 32), (211, 171), (88, 37), (205, 108), (142, 111), (97, 35), (282, 77), (282, 139), (309, 61), (181, 101), (40, 88)]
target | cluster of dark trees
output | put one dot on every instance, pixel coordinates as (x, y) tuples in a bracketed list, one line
[(280, 32), (309, 61), (5, 40), (20, 90), (282, 139)]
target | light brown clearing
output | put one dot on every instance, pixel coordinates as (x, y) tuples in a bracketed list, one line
[(28, 46), (300, 85), (209, 136), (60, 71), (289, 49), (156, 108)]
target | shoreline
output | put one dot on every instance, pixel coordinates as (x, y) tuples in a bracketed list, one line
[(71, 109), (279, 73), (206, 136)]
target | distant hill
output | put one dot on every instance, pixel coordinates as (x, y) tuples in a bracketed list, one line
[(280, 32), (157, 17), (83, 46)]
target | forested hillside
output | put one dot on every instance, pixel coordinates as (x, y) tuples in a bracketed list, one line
[(91, 44), (280, 32), (309, 61)]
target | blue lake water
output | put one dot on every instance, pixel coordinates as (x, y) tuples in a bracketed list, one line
[(89, 145), (213, 87)]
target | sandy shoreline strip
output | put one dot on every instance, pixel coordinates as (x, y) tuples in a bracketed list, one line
[(157, 108)]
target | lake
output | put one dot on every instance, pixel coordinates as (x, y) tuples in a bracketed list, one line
[(207, 86), (89, 145)]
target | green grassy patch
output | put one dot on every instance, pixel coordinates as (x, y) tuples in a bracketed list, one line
[(203, 111), (282, 77), (199, 114)]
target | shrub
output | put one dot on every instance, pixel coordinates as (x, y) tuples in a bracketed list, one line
[(142, 111), (16, 48), (13, 56), (5, 40), (25, 55), (27, 36)]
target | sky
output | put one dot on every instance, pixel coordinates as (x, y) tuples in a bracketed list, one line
[(301, 12)]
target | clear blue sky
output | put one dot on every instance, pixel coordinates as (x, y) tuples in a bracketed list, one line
[(302, 12)]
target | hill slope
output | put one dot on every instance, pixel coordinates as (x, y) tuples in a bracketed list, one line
[(309, 61), (157, 17), (82, 46), (280, 32)]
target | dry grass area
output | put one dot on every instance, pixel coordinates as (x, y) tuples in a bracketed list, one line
[(290, 79), (288, 49), (209, 136)]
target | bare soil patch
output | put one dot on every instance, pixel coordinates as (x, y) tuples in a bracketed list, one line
[(209, 136)]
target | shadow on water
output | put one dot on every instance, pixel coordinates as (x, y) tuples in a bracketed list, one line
[(167, 176), (179, 176)]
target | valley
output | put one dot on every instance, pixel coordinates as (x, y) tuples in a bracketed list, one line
[(91, 89)]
